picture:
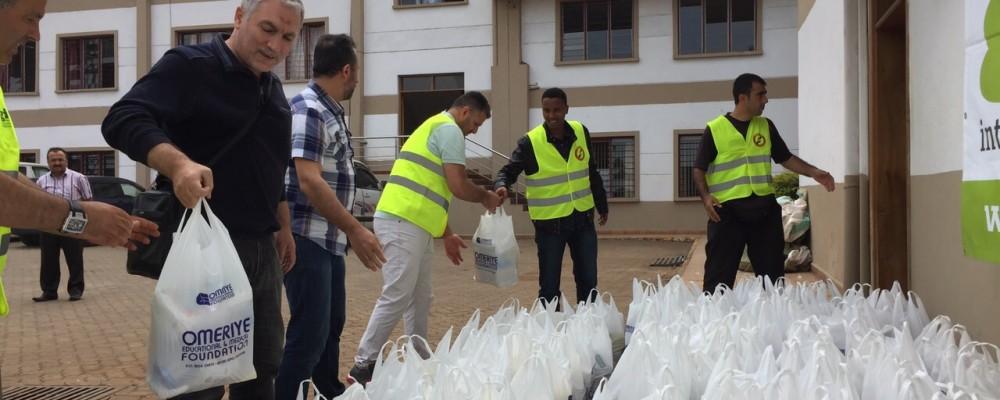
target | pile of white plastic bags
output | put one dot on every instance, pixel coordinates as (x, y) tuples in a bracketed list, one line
[(516, 354), (806, 341)]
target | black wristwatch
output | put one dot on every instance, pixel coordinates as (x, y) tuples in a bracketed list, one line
[(76, 221)]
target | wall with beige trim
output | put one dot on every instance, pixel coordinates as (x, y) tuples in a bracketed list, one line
[(655, 49), (72, 138), (947, 281), (835, 230), (120, 21)]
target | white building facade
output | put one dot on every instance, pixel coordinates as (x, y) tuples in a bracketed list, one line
[(643, 75)]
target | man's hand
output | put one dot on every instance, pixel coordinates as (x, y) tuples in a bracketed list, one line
[(285, 244), (602, 219), (824, 178), (453, 246), (502, 192), (106, 224), (192, 182), (367, 247), (711, 203), (491, 201), (142, 230)]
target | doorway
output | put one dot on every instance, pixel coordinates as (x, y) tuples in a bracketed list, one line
[(889, 143)]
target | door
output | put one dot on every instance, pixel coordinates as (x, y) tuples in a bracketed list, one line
[(889, 143)]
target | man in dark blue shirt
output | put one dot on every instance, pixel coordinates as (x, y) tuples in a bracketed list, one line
[(177, 117)]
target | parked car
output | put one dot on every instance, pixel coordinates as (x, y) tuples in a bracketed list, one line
[(122, 192), (368, 191), (32, 170), (119, 192)]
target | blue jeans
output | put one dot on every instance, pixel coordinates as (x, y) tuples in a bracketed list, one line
[(316, 298), (577, 231)]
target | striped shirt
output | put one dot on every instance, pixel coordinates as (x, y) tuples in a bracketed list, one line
[(71, 185), (320, 134)]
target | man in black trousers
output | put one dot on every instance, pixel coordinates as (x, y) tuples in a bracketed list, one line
[(733, 175)]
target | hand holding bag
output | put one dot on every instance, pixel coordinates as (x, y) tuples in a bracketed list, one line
[(162, 207)]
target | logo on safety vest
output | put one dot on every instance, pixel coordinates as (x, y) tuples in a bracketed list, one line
[(579, 153), (759, 140), (5, 118)]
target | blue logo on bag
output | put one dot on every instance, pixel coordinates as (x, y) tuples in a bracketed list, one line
[(222, 294)]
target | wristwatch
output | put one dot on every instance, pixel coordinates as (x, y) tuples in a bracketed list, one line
[(76, 221)]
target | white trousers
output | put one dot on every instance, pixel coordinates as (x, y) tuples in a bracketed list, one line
[(406, 287)]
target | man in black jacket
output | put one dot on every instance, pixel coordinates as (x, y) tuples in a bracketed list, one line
[(556, 160), (177, 117)]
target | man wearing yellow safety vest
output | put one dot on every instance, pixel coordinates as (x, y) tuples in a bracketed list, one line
[(733, 175), (413, 210), (22, 203), (563, 188)]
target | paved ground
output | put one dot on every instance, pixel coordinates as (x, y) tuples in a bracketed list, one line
[(102, 339)]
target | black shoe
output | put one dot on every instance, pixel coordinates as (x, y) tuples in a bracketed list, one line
[(45, 297), (361, 373), (75, 297)]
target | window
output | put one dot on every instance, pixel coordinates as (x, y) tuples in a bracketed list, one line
[(20, 75), (93, 162), (616, 162), (298, 65), (187, 38), (687, 152), (363, 179), (88, 62), (716, 27), (422, 96), (596, 30), (427, 2), (29, 157)]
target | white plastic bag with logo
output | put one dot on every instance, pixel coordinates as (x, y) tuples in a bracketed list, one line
[(202, 328), (496, 250)]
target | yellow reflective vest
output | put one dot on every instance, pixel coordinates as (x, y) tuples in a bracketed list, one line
[(743, 164), (10, 157), (560, 185), (417, 190)]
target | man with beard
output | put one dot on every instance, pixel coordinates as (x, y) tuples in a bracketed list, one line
[(733, 175), (320, 191)]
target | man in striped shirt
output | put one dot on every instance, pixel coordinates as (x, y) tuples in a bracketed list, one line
[(70, 185)]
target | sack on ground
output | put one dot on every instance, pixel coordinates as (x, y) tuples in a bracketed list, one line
[(202, 312), (496, 249)]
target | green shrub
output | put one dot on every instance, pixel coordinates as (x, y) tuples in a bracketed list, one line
[(786, 184)]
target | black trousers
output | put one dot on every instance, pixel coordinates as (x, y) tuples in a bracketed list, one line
[(552, 237), (260, 260), (754, 224), (49, 275)]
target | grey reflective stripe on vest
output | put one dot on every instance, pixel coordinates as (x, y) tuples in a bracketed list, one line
[(583, 173), (423, 161), (4, 244), (421, 189), (743, 180), (552, 201), (12, 174), (738, 162)]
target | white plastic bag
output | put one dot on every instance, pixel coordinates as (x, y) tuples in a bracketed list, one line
[(496, 250), (202, 312)]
